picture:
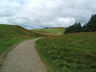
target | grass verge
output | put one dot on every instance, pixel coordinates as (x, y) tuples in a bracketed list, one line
[(69, 53)]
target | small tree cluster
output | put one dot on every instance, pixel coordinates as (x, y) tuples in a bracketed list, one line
[(90, 26), (74, 28)]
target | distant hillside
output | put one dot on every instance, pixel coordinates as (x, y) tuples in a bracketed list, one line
[(12, 30), (54, 30)]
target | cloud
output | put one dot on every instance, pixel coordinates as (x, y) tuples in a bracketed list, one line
[(65, 22), (45, 13)]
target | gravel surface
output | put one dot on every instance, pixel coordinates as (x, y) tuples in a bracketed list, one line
[(24, 58)]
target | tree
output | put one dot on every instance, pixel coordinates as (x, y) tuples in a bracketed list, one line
[(91, 25), (74, 28)]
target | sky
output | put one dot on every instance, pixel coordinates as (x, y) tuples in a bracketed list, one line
[(32, 14)]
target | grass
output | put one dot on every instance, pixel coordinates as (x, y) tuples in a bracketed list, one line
[(56, 30), (13, 30), (69, 53), (10, 35)]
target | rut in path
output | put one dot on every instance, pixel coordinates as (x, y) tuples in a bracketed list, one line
[(24, 58)]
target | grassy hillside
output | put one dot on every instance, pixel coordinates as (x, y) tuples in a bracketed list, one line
[(10, 35), (69, 53), (56, 30), (12, 30)]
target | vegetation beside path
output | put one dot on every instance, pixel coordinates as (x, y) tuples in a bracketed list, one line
[(69, 53)]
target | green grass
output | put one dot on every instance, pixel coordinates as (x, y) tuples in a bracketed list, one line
[(51, 30), (69, 53), (10, 35), (13, 30)]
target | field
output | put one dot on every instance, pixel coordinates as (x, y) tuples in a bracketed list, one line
[(56, 30), (10, 35), (69, 53)]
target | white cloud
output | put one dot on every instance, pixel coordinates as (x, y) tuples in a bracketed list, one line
[(45, 13), (65, 22)]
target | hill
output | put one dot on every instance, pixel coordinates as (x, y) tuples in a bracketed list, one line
[(54, 30), (12, 31), (69, 53)]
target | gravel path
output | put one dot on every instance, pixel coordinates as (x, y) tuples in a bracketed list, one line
[(24, 58)]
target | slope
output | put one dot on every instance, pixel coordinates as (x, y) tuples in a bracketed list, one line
[(69, 53)]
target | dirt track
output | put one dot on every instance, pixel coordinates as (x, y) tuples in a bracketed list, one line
[(24, 58)]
